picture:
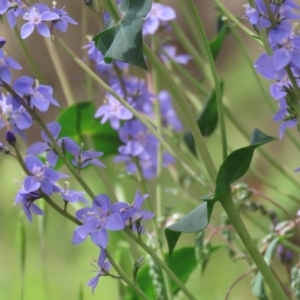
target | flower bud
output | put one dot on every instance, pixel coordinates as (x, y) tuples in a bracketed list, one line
[(2, 42), (11, 138)]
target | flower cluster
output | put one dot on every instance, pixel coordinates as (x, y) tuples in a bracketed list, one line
[(35, 16), (140, 146), (22, 99), (102, 217), (282, 62)]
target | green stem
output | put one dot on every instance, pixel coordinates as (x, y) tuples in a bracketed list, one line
[(124, 277), (217, 87), (138, 115), (187, 17), (185, 111), (249, 244), (159, 163), (60, 71), (155, 257), (235, 21), (37, 74), (89, 88)]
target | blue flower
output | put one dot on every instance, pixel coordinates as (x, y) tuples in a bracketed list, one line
[(103, 270), (36, 16), (39, 95), (168, 53), (42, 176), (26, 199), (133, 214), (97, 220), (70, 195), (5, 64), (81, 158), (62, 23), (158, 15), (18, 119), (113, 111), (40, 147)]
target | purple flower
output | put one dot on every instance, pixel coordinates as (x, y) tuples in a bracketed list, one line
[(70, 195), (5, 64), (38, 95), (46, 146), (26, 199), (133, 214), (36, 16), (15, 9), (18, 119), (113, 111), (159, 14), (81, 158), (103, 270), (42, 176), (168, 114), (169, 53), (62, 23), (97, 220)]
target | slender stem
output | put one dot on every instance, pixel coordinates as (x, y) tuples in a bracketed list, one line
[(249, 244), (159, 163), (187, 17), (60, 71), (161, 264), (124, 277), (37, 74), (185, 111), (88, 82), (217, 87), (270, 13), (235, 21), (181, 159)]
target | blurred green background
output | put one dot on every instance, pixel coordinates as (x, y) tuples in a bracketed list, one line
[(55, 269)]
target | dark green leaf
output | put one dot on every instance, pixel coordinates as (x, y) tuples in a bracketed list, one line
[(194, 221), (238, 162), (122, 40), (207, 120), (183, 263), (217, 42), (258, 288), (78, 123)]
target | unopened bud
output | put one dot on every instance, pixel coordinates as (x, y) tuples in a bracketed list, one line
[(2, 42), (11, 138)]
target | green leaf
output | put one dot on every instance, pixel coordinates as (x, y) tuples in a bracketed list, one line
[(194, 221), (238, 162), (258, 288), (78, 123), (122, 40), (217, 42), (182, 264), (207, 120)]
